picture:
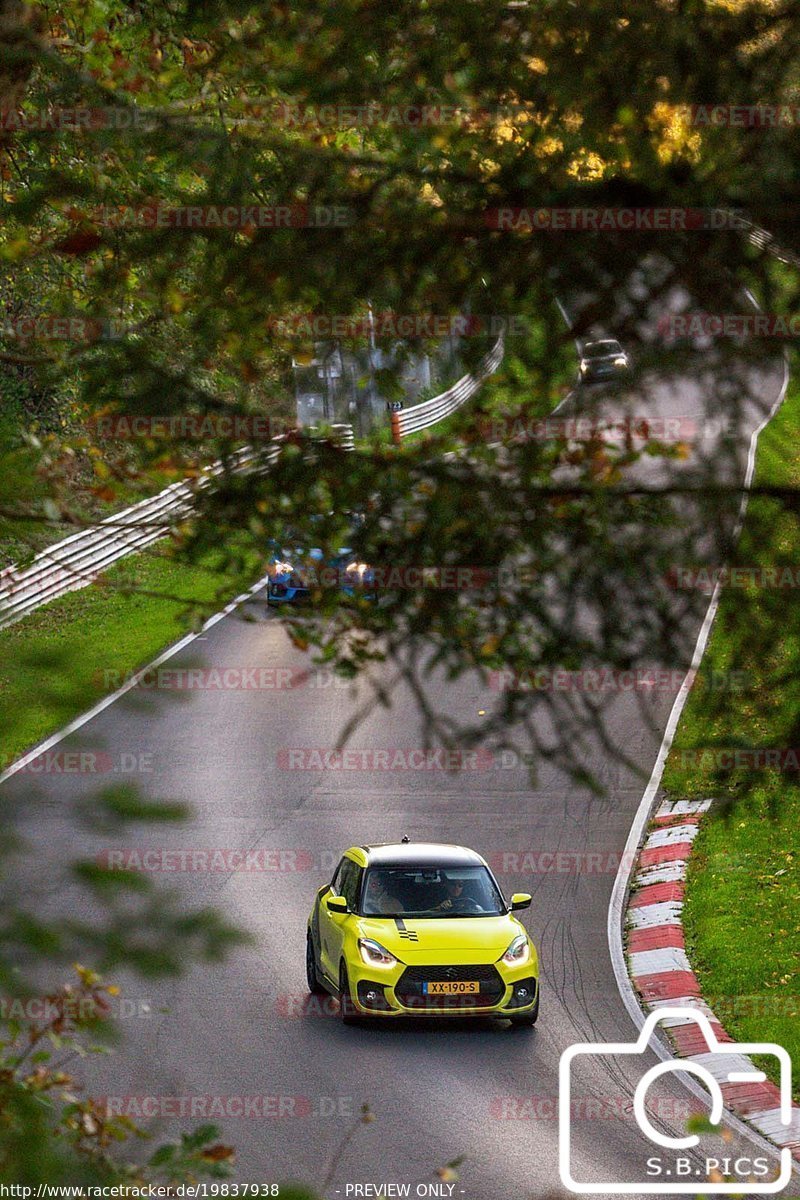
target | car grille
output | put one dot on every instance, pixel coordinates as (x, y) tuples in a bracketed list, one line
[(408, 988)]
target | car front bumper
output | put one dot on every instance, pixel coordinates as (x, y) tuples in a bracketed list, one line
[(288, 596), (398, 992), (602, 374)]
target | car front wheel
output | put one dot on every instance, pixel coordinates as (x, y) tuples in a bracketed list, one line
[(314, 985)]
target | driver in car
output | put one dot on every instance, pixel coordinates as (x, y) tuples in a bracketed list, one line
[(455, 900)]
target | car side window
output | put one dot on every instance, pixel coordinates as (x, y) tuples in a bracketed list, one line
[(355, 888), (336, 882), (350, 882)]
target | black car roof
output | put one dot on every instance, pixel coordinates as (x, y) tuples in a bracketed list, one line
[(421, 854)]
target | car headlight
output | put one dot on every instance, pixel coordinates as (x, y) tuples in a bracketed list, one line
[(620, 361), (374, 954), (518, 952), (584, 365)]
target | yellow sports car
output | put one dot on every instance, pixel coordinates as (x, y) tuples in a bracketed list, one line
[(421, 929)]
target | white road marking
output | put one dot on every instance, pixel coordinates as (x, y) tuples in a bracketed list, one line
[(670, 836), (683, 808), (722, 1066), (769, 1122), (651, 915), (683, 1002), (672, 872), (655, 962)]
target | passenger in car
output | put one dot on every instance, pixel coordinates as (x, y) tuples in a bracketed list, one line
[(378, 899)]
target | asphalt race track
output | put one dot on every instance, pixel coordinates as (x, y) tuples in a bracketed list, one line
[(477, 1089)]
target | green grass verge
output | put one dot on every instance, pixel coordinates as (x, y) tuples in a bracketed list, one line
[(742, 912), (52, 663)]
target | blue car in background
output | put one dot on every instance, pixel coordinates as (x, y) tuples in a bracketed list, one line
[(294, 573)]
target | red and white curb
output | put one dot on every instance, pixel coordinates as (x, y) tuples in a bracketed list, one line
[(663, 976)]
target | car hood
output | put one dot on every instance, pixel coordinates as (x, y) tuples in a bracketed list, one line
[(431, 940)]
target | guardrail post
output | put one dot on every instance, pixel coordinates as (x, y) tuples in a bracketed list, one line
[(397, 435)]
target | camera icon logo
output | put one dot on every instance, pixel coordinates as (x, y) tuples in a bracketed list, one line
[(737, 1069)]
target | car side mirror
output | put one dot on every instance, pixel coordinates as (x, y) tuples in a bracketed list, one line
[(520, 900), (338, 904)]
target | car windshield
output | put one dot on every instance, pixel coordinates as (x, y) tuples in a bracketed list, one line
[(601, 349), (430, 892)]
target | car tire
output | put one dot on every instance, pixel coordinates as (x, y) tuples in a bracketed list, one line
[(312, 978), (347, 1010), (525, 1020)]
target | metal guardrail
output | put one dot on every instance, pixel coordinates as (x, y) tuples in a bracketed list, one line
[(765, 241), (430, 412), (78, 560)]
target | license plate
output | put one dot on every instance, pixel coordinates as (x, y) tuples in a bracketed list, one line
[(468, 987)]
